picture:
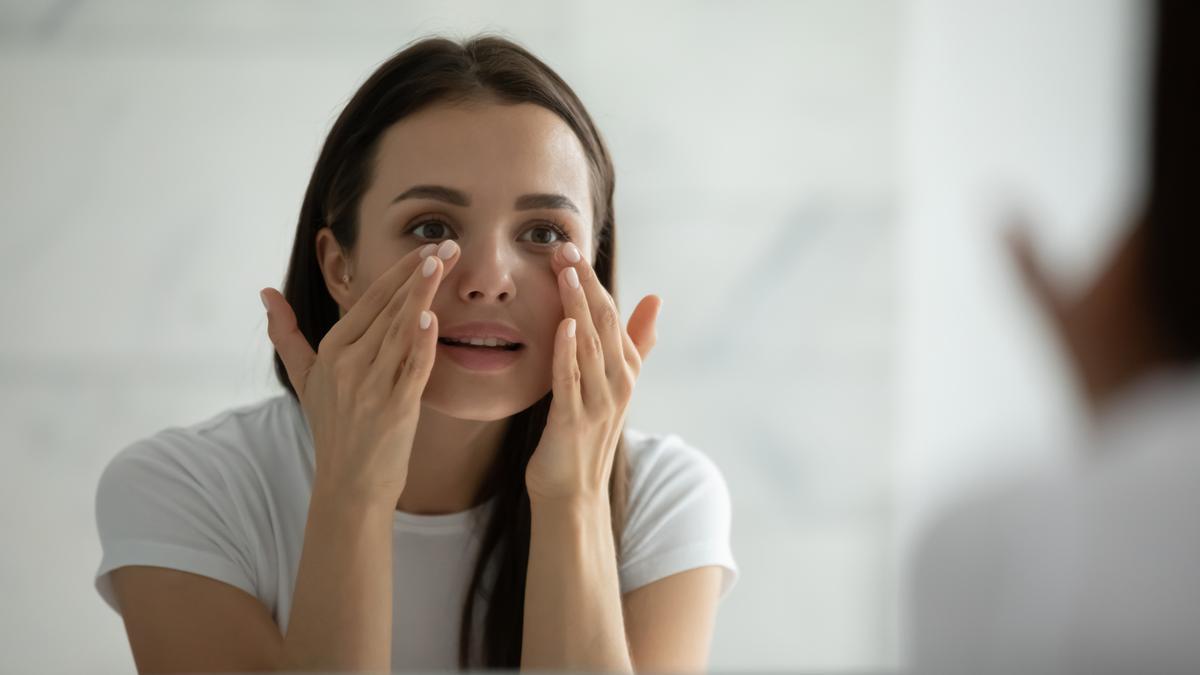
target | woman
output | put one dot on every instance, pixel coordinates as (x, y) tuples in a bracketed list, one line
[(413, 501)]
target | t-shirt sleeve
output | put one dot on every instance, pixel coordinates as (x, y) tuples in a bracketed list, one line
[(679, 515), (159, 505)]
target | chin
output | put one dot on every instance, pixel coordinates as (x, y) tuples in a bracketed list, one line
[(478, 404)]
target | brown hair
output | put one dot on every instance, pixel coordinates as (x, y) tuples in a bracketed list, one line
[(1171, 267), (443, 71)]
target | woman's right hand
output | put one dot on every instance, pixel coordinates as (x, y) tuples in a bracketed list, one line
[(361, 390)]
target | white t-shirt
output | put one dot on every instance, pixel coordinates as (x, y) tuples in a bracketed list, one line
[(1092, 567), (227, 498)]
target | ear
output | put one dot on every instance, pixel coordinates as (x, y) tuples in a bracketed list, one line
[(334, 266)]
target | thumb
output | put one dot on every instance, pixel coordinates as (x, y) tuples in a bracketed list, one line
[(293, 347), (642, 324)]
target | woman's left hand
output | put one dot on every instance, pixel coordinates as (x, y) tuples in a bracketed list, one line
[(593, 377)]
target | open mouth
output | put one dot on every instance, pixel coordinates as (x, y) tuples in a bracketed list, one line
[(505, 347)]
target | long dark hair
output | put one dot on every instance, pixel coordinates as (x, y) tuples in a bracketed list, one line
[(437, 71), (1172, 264)]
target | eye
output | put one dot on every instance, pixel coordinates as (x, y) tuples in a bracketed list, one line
[(548, 229), (435, 225)]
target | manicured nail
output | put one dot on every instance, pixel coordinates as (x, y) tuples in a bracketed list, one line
[(426, 319), (570, 327), (429, 266), (446, 250), (571, 252), (262, 295), (572, 277), (428, 249)]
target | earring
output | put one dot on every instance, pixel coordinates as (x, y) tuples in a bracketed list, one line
[(345, 278)]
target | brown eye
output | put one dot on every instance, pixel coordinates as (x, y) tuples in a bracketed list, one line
[(437, 227), (547, 234)]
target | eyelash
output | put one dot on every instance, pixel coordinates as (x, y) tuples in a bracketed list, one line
[(551, 225)]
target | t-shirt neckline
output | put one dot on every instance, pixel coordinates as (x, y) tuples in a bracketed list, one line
[(444, 523)]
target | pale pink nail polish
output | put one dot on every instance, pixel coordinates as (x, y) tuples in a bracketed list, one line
[(572, 277), (427, 250), (570, 327), (571, 252), (429, 266)]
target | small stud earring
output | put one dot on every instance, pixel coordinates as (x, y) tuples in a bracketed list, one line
[(345, 278)]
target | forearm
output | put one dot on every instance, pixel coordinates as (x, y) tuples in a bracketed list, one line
[(573, 618), (341, 616)]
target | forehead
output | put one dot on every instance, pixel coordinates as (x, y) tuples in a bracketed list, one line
[(494, 152)]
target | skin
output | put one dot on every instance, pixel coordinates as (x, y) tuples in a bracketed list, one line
[(511, 265), (1106, 331)]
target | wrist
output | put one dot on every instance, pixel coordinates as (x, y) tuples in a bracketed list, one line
[(329, 494)]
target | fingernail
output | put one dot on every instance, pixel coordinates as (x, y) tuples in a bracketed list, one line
[(262, 295), (446, 250), (426, 319), (570, 327), (427, 250), (429, 266), (572, 277), (571, 252)]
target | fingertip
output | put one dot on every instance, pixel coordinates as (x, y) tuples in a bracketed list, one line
[(426, 319), (570, 328)]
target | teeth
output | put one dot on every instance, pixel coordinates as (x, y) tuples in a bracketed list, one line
[(480, 342)]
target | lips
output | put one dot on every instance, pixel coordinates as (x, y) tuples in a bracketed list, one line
[(481, 330), (481, 358)]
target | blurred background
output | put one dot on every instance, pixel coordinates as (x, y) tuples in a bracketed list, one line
[(816, 189)]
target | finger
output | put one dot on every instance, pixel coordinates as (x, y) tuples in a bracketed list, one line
[(293, 348), (412, 374), (605, 317), (643, 326), (367, 347), (1033, 275), (359, 318), (588, 348), (405, 333), (566, 374)]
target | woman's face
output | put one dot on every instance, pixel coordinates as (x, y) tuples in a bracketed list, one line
[(505, 182)]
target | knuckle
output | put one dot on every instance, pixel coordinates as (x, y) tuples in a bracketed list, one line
[(609, 318), (571, 376), (625, 383), (591, 345), (377, 294), (635, 362), (393, 330)]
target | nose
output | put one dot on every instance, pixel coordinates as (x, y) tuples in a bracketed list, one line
[(485, 271)]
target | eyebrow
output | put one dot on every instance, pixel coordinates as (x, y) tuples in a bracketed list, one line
[(544, 201), (450, 195), (440, 193)]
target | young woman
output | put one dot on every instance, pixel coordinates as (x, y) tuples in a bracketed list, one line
[(447, 481)]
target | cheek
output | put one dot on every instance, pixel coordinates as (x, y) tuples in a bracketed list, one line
[(547, 310)]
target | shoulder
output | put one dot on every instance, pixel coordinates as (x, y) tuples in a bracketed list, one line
[(679, 512), (232, 446), (197, 498), (665, 464), (994, 561)]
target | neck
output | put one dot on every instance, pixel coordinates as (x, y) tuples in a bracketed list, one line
[(450, 458)]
